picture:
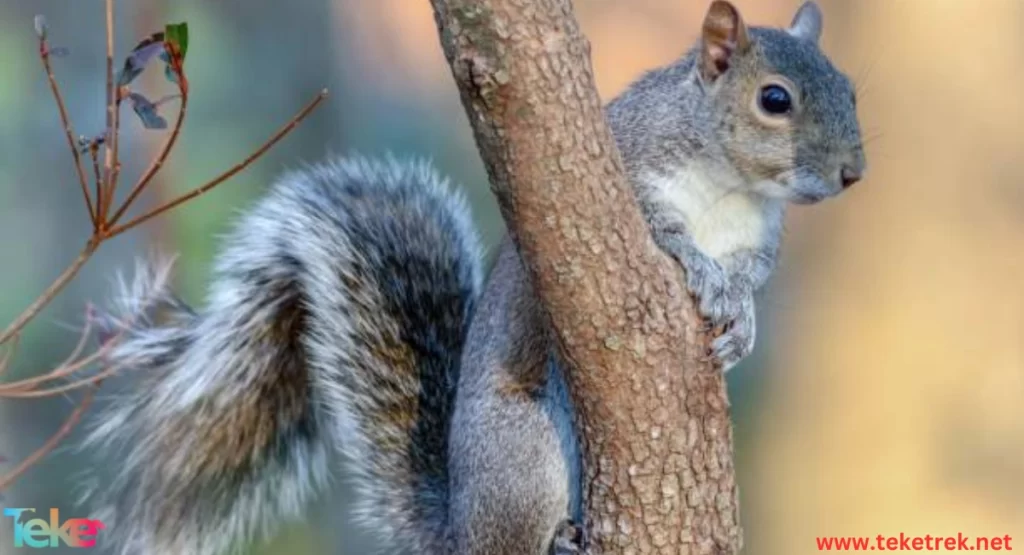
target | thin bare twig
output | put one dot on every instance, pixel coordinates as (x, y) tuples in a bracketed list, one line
[(82, 340), (69, 273), (111, 140), (20, 387), (9, 355), (94, 154), (94, 242), (70, 386), (115, 173), (117, 230), (51, 443), (44, 55), (157, 163), (56, 372)]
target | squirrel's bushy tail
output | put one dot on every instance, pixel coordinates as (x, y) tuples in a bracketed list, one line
[(335, 322)]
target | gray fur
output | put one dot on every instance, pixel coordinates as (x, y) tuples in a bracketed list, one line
[(514, 468), (713, 179), (336, 318), (807, 22), (344, 319)]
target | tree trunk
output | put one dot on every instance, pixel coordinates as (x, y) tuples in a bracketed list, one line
[(653, 417)]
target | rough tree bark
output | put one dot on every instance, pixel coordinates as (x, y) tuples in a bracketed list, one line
[(653, 416)]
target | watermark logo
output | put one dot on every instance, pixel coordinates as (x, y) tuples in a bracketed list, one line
[(37, 532)]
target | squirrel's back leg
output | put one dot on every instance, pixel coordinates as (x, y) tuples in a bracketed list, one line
[(513, 458)]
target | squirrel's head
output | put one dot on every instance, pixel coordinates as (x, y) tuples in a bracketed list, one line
[(786, 117)]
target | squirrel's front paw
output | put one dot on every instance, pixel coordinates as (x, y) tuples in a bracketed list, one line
[(719, 298), (568, 540), (737, 341)]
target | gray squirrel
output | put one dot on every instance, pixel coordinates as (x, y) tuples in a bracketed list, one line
[(348, 320)]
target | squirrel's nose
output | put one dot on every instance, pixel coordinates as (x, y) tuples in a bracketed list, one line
[(849, 175)]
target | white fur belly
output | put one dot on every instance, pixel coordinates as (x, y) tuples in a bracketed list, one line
[(734, 223), (719, 216)]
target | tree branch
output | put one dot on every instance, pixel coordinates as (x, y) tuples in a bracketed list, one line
[(44, 55), (110, 144), (44, 299), (228, 174), (653, 416), (103, 227), (7, 479)]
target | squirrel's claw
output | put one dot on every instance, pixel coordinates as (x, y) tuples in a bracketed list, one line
[(737, 341)]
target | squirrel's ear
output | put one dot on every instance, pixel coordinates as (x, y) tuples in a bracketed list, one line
[(724, 35), (807, 22)]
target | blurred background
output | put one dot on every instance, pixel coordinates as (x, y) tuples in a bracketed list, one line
[(886, 392)]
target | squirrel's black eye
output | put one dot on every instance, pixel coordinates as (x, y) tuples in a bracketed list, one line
[(775, 100)]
